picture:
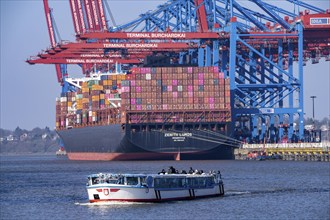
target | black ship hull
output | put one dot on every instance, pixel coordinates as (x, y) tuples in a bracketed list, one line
[(148, 142)]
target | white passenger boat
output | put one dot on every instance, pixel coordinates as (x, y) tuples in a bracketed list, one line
[(153, 187)]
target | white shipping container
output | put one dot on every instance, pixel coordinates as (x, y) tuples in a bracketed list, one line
[(94, 118), (90, 113), (64, 99), (148, 76), (79, 96)]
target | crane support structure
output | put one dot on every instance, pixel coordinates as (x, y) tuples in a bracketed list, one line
[(255, 44), (60, 69)]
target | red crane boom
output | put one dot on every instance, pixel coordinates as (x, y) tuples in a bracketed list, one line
[(52, 36), (96, 15), (89, 15), (102, 15), (201, 14), (75, 16)]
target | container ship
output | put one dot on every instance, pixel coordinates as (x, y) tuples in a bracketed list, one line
[(148, 113)]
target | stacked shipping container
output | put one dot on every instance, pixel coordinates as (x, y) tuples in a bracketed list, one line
[(176, 89), (146, 89), (96, 103)]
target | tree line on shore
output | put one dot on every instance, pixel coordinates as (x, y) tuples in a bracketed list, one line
[(22, 141)]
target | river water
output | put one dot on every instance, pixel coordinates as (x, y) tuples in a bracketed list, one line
[(46, 187)]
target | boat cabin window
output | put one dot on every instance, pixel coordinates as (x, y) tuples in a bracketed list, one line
[(120, 181), (201, 182), (95, 180), (132, 181), (210, 182), (112, 180), (169, 182), (143, 180), (89, 181)]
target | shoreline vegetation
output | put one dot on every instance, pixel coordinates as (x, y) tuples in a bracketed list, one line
[(25, 142)]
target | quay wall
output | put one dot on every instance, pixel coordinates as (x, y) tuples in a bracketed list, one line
[(284, 151)]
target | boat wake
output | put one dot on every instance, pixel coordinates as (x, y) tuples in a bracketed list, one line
[(275, 191), (238, 193), (109, 203)]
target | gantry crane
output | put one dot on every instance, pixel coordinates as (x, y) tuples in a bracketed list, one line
[(256, 49)]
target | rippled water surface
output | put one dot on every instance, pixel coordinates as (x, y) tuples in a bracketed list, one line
[(46, 187)]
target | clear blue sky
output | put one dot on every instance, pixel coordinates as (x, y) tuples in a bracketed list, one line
[(28, 92)]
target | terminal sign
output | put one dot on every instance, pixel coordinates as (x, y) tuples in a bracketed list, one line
[(319, 21)]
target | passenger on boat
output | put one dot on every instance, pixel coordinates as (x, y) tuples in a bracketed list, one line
[(162, 172), (171, 170), (191, 171), (219, 173)]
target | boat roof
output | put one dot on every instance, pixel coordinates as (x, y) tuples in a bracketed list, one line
[(152, 175)]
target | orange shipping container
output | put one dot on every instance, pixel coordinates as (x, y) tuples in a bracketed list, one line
[(97, 87), (95, 98)]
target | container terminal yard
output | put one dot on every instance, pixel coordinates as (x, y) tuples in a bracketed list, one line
[(191, 79)]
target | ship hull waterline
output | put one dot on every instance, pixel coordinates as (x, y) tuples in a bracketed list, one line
[(111, 142)]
